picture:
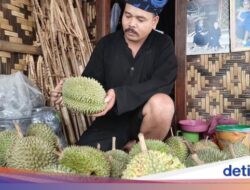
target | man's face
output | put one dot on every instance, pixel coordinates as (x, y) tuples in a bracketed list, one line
[(137, 23)]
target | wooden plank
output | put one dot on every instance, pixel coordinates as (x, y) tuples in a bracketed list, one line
[(20, 48), (180, 49)]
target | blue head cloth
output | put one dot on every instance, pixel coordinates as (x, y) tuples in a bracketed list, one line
[(153, 6)]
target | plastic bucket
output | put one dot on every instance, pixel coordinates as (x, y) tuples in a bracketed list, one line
[(233, 133), (190, 136)]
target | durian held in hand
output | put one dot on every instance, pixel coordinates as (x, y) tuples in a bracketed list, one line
[(83, 94)]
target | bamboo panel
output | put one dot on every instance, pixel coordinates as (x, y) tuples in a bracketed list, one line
[(17, 21), (219, 84), (16, 26)]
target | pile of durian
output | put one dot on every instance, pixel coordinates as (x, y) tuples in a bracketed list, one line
[(205, 151), (39, 150)]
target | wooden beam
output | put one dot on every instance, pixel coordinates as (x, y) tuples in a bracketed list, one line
[(180, 51), (102, 18), (19, 48)]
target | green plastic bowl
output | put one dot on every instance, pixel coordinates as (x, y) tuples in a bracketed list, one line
[(238, 128)]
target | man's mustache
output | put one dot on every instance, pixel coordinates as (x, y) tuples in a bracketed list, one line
[(131, 30)]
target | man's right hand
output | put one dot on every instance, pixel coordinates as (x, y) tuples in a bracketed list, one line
[(56, 94)]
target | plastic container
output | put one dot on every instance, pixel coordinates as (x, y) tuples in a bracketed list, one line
[(226, 134), (197, 126)]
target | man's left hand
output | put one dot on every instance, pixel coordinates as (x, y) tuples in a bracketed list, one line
[(110, 100)]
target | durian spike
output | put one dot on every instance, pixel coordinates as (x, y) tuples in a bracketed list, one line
[(231, 149), (98, 146), (18, 129), (142, 142), (171, 131), (197, 159), (113, 143)]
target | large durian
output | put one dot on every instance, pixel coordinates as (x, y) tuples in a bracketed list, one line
[(84, 95), (7, 139), (32, 153), (43, 131), (203, 156), (118, 160), (205, 143), (151, 145), (85, 160), (236, 150), (150, 162), (178, 147)]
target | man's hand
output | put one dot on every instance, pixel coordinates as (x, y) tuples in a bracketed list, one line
[(56, 94), (110, 100)]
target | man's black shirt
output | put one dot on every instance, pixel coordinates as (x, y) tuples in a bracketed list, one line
[(135, 80)]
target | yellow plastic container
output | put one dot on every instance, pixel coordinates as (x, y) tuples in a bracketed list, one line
[(233, 133)]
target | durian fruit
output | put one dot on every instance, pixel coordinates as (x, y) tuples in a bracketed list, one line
[(30, 153), (43, 131), (205, 143), (178, 147), (236, 150), (118, 160), (203, 156), (60, 169), (150, 162), (85, 160), (151, 145), (84, 95), (7, 139)]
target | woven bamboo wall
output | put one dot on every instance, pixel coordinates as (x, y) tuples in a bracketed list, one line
[(219, 84), (17, 26)]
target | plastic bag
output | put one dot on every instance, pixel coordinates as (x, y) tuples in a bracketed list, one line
[(52, 118), (18, 96), (46, 115)]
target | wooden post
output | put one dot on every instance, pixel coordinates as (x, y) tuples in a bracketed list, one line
[(180, 51), (102, 18)]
